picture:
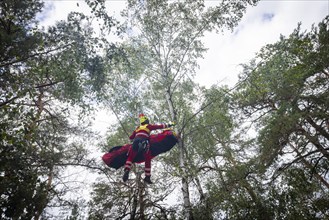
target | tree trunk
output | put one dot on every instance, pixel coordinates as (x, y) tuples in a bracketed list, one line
[(185, 186), (135, 202), (199, 188), (33, 126), (141, 189), (261, 208), (49, 185)]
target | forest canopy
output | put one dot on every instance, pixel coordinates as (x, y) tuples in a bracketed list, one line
[(257, 150)]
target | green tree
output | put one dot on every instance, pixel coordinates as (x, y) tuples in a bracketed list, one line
[(47, 77), (286, 94), (170, 35), (231, 186), (166, 42)]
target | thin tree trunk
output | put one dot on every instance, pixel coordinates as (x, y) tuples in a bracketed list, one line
[(135, 202), (185, 186), (261, 208), (141, 189), (48, 187), (199, 188), (40, 104)]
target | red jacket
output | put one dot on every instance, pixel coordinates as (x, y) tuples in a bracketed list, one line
[(145, 130)]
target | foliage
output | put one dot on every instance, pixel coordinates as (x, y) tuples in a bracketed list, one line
[(47, 78), (165, 43), (260, 152), (286, 95)]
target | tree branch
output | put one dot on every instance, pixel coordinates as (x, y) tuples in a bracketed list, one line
[(33, 55), (8, 101)]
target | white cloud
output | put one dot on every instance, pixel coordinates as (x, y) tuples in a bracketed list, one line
[(260, 25), (226, 52), (56, 10)]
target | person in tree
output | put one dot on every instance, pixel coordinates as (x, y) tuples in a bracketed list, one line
[(140, 138)]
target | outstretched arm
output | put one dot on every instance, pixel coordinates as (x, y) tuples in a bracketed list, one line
[(160, 126)]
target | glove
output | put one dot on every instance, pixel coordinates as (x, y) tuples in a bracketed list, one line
[(170, 124)]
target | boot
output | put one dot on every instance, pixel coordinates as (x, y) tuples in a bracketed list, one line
[(125, 176), (147, 179)]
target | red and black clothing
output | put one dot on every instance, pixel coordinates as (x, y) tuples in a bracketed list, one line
[(140, 137)]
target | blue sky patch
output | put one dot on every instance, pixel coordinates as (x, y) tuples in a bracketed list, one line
[(267, 17)]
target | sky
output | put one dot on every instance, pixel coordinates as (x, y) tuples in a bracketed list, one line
[(261, 25)]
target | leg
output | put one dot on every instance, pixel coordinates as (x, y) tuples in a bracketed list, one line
[(147, 156), (131, 156)]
